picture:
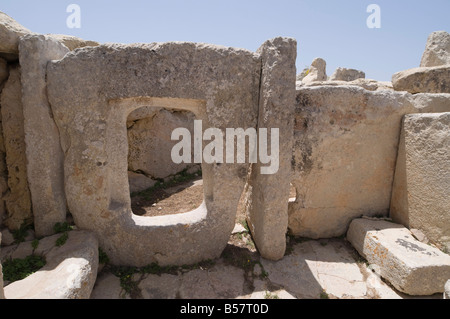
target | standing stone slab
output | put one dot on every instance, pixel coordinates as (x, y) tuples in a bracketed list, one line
[(421, 191), (410, 266), (268, 217), (45, 159), (18, 201), (316, 72), (437, 50), (92, 91)]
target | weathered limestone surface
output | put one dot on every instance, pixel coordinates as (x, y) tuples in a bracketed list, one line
[(346, 141), (317, 71), (437, 50), (70, 271), (72, 42), (45, 158), (150, 143), (220, 85), (10, 32), (420, 195), (409, 265), (268, 207), (423, 80), (18, 201), (368, 84), (4, 73), (344, 74)]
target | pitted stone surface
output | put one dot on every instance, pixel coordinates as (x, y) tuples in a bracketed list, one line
[(17, 200), (45, 157), (268, 202), (410, 266), (346, 141), (219, 85), (70, 271), (420, 196)]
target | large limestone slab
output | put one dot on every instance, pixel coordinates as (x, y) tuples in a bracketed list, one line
[(344, 74), (18, 201), (70, 271), (346, 141), (410, 266), (437, 50), (91, 112), (420, 195), (10, 32), (72, 42), (368, 84), (45, 158), (268, 206), (423, 80)]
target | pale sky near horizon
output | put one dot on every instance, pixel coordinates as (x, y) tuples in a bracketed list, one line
[(333, 30)]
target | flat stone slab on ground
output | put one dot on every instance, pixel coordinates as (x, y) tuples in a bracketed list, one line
[(70, 271), (410, 266)]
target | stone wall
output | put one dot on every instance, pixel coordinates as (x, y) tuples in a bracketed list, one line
[(78, 119)]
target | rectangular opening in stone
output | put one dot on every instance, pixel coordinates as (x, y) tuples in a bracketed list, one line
[(158, 186)]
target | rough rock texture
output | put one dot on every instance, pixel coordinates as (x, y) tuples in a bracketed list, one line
[(268, 207), (317, 71), (150, 143), (368, 84), (423, 80), (18, 201), (220, 85), (2, 293), (10, 32), (45, 158), (344, 74), (4, 74), (70, 271), (72, 42), (346, 141), (409, 265), (437, 50), (139, 182), (420, 195)]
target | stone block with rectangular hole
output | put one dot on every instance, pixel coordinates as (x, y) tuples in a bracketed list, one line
[(93, 90)]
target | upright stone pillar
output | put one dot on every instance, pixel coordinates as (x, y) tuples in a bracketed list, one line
[(45, 158), (268, 202)]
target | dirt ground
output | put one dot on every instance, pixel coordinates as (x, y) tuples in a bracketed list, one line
[(180, 198)]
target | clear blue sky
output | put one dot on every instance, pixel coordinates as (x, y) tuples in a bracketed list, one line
[(335, 30)]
